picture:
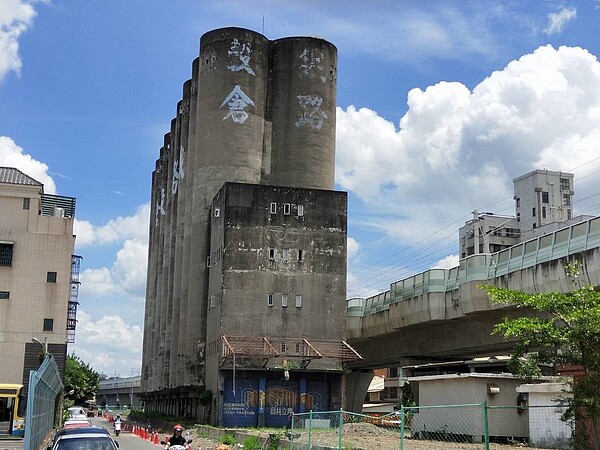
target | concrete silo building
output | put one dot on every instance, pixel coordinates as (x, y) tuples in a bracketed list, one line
[(246, 292)]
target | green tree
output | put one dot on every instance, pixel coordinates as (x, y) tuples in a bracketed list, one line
[(81, 379), (565, 332)]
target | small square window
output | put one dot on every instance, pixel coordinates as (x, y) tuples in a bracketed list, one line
[(270, 299), (51, 277), (271, 254), (298, 301), (4, 295), (285, 254), (273, 208), (48, 325), (26, 203), (284, 300), (300, 210), (286, 209)]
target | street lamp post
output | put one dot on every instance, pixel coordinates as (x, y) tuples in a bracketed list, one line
[(44, 344)]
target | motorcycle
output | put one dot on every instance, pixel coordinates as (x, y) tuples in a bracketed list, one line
[(177, 447), (117, 427)]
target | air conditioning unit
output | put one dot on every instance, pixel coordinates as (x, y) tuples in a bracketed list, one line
[(59, 212)]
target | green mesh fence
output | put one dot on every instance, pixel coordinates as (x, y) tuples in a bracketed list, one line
[(468, 426)]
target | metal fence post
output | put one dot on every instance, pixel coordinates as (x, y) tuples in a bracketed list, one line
[(340, 429), (486, 429), (401, 427), (309, 428)]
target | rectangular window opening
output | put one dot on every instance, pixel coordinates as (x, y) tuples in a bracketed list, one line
[(51, 277), (26, 203), (283, 347), (217, 212), (285, 254), (271, 254), (284, 300), (300, 210), (6, 254), (4, 295), (48, 325), (544, 197), (273, 209), (565, 184), (287, 209), (543, 212), (298, 301), (270, 299), (300, 255), (566, 199)]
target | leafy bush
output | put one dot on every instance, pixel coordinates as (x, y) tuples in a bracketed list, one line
[(228, 439), (252, 443)]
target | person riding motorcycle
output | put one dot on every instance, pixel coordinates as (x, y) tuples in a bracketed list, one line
[(117, 425), (177, 438)]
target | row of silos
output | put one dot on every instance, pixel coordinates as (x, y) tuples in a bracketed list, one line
[(255, 111)]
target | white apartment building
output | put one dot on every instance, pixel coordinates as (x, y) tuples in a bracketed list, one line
[(543, 203), (39, 275)]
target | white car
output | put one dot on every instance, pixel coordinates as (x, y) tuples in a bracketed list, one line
[(88, 440)]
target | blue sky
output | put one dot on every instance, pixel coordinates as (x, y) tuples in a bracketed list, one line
[(440, 105)]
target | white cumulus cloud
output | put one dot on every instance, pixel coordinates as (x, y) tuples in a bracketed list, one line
[(457, 150), (115, 230), (108, 344), (16, 17), (11, 155)]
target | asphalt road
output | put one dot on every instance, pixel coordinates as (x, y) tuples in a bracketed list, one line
[(126, 441)]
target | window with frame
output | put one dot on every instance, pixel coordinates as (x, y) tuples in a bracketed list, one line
[(543, 212), (271, 254), (6, 253), (565, 184), (48, 325), (518, 202), (283, 347), (270, 299), (4, 295), (298, 301), (285, 254), (533, 211), (51, 277), (287, 208), (26, 203), (273, 208), (213, 301), (544, 197), (300, 210), (217, 212), (300, 255), (284, 300), (566, 199)]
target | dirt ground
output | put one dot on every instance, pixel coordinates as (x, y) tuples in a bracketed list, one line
[(357, 436)]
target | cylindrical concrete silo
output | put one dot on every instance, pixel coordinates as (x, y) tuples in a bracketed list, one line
[(232, 92), (303, 101)]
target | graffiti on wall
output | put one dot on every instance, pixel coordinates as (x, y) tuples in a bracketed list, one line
[(178, 171)]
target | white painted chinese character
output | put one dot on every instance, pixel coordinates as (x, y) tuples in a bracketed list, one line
[(311, 113), (242, 51), (160, 207), (237, 102), (311, 60), (177, 171)]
